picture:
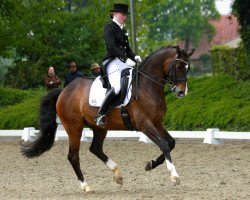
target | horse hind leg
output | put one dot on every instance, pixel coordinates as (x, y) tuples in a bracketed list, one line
[(73, 157), (97, 149)]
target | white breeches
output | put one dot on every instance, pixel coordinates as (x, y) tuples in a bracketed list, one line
[(114, 70)]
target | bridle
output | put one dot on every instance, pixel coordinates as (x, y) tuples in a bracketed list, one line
[(172, 72), (171, 79)]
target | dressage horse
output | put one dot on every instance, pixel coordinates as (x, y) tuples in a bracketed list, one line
[(166, 65)]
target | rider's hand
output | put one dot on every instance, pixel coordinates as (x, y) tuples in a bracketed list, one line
[(138, 58), (130, 62)]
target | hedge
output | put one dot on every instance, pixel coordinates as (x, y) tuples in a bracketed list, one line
[(212, 102), (230, 61), (20, 108)]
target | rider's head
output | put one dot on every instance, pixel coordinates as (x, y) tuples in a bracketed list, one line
[(119, 12)]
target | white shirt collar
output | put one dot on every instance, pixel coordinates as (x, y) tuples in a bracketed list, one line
[(121, 25)]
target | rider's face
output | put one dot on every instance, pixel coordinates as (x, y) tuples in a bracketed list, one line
[(120, 17)]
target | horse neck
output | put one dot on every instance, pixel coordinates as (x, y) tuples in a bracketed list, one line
[(154, 68)]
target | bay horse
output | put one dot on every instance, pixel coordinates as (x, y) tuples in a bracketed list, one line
[(167, 64)]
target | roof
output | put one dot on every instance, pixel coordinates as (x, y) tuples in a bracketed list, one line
[(226, 29)]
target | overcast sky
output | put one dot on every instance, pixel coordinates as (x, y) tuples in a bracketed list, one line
[(223, 6)]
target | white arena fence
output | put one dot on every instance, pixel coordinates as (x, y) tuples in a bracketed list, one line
[(210, 136)]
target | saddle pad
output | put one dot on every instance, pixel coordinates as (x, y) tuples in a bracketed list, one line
[(97, 92)]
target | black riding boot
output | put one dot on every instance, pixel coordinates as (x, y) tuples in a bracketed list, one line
[(101, 115)]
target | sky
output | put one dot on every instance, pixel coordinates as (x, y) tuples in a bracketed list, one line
[(223, 6)]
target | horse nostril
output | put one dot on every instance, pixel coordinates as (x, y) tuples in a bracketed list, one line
[(181, 94)]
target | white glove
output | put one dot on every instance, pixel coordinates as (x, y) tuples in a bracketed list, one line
[(130, 62), (138, 58)]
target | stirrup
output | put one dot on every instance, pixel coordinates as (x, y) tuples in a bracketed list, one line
[(101, 120)]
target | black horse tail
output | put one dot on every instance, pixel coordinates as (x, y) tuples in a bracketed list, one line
[(46, 136)]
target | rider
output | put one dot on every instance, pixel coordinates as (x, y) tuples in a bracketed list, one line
[(119, 56)]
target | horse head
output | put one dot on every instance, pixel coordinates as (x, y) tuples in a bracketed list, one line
[(176, 69)]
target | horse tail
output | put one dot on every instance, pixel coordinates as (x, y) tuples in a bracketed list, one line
[(45, 138)]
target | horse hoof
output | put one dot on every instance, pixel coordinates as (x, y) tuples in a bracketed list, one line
[(118, 180), (175, 180), (86, 188), (148, 166)]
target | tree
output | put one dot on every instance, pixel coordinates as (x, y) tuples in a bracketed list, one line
[(241, 8), (49, 35), (181, 20)]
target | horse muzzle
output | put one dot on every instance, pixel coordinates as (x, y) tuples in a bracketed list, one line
[(180, 90)]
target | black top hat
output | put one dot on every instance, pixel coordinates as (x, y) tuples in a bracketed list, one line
[(119, 7)]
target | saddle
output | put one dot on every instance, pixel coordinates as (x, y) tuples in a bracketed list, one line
[(98, 93)]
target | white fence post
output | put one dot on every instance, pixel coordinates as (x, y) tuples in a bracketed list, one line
[(87, 135), (209, 137), (26, 133), (145, 139)]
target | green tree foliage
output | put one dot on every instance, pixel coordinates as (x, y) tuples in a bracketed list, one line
[(8, 19), (181, 20), (49, 35), (241, 8), (40, 33)]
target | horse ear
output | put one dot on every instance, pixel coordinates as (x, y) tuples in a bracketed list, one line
[(178, 51), (190, 52)]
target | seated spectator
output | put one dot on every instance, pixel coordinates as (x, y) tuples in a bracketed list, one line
[(51, 80), (73, 73)]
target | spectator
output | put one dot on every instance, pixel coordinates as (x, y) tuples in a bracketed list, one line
[(96, 70), (73, 73), (51, 80)]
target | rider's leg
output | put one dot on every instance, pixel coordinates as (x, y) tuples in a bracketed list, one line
[(114, 75), (100, 118)]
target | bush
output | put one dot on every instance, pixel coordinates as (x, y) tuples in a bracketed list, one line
[(11, 96), (24, 109)]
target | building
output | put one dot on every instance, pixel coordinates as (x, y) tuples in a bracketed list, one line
[(226, 33)]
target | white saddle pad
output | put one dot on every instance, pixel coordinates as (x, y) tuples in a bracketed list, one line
[(97, 92)]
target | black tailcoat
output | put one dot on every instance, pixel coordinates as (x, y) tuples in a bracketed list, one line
[(117, 44)]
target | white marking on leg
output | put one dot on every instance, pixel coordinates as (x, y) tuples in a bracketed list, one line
[(117, 173), (171, 168), (85, 186), (111, 164)]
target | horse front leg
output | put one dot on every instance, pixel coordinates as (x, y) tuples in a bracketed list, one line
[(97, 149), (171, 142), (156, 136)]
